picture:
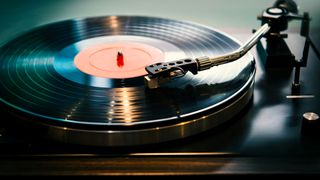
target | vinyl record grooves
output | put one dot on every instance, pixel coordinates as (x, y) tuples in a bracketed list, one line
[(39, 78)]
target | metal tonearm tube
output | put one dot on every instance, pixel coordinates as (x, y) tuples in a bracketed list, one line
[(162, 72)]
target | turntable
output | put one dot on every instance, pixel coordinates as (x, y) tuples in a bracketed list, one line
[(129, 87)]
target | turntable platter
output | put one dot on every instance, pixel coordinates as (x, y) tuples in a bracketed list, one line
[(107, 104)]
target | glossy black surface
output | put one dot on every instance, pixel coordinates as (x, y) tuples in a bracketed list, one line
[(38, 75), (263, 139), (270, 126)]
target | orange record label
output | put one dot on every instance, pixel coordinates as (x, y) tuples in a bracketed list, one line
[(118, 60)]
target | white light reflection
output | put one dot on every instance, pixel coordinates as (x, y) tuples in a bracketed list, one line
[(121, 108), (71, 112), (127, 108), (113, 22)]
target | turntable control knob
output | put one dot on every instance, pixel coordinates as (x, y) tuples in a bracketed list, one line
[(311, 116), (310, 123)]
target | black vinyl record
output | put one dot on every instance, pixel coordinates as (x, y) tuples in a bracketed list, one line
[(39, 78)]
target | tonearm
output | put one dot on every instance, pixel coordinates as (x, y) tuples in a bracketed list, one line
[(274, 20), (164, 71)]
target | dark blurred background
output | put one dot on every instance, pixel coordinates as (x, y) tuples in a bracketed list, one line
[(17, 16)]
